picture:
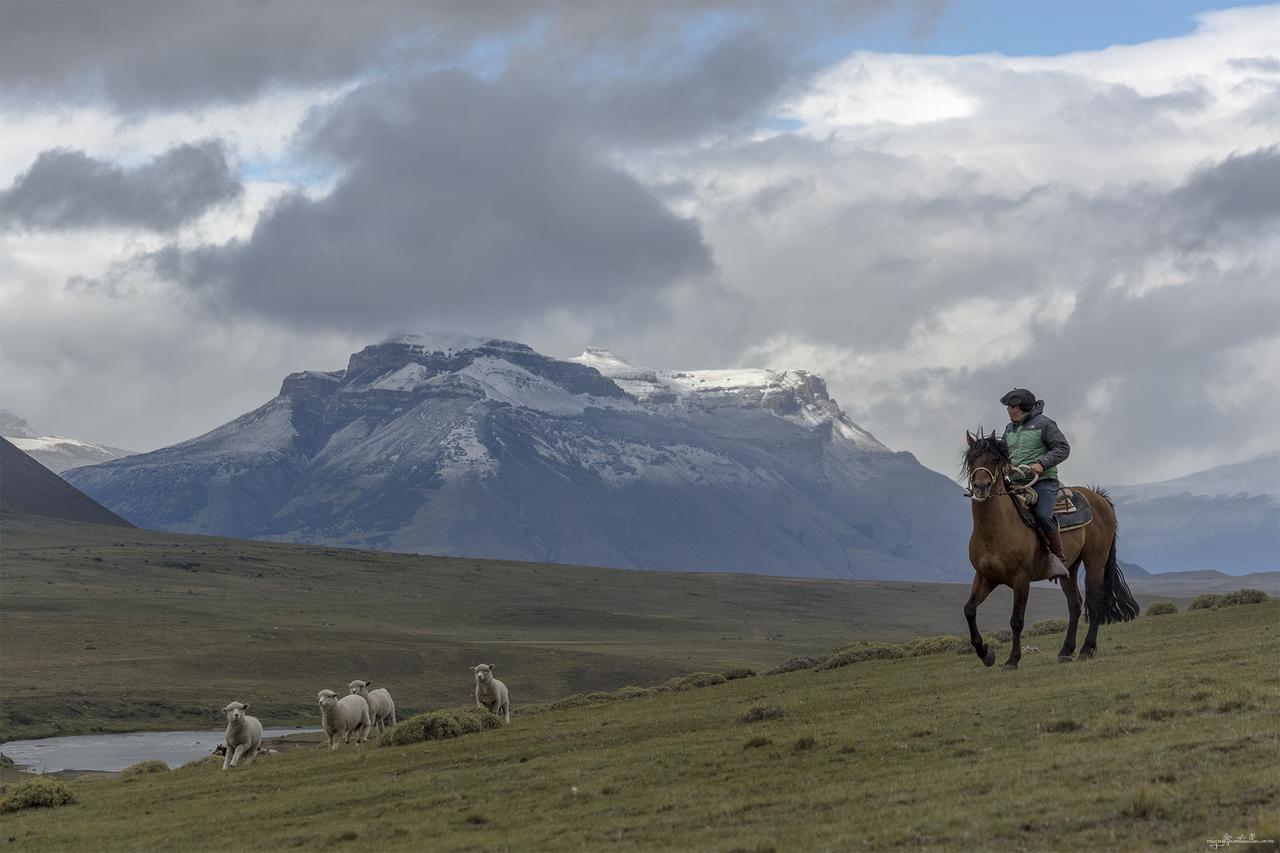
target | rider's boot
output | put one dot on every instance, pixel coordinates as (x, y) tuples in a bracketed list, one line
[(1056, 557)]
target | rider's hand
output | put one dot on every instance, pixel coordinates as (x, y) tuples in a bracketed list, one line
[(1037, 468)]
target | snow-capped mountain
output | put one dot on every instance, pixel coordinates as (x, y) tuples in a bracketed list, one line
[(486, 448), (54, 451), (1225, 519)]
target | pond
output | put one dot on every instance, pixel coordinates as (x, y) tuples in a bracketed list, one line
[(115, 752)]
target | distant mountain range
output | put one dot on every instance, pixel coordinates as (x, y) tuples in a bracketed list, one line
[(54, 452), (486, 448), (26, 486), (1225, 519)]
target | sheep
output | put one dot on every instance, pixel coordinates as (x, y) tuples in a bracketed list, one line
[(491, 693), (244, 735), (382, 709), (342, 718)]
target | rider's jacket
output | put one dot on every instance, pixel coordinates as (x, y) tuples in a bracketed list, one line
[(1036, 439)]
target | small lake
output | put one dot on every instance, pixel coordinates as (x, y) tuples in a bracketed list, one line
[(115, 752)]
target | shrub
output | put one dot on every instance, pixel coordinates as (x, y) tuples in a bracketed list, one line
[(803, 744), (793, 665), (581, 700), (691, 681), (440, 725), (757, 743), (740, 672), (756, 713), (1242, 596), (1004, 635), (630, 692), (1047, 626), (1205, 602), (1161, 608), (858, 652), (1061, 726), (40, 792), (142, 768), (936, 645)]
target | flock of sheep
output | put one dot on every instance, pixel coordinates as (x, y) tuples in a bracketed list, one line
[(353, 715)]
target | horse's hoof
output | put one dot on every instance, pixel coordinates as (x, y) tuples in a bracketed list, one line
[(1065, 659), (1009, 666), (990, 657)]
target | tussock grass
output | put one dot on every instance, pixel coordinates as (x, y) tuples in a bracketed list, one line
[(859, 652), (1242, 596), (757, 713), (1046, 626), (142, 768), (440, 725), (38, 793), (739, 672), (937, 645), (693, 681)]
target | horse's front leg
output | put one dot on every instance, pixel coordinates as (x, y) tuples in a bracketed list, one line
[(1020, 593), (981, 589)]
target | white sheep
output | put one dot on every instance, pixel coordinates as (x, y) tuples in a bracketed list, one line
[(382, 709), (342, 718), (244, 735), (491, 693)]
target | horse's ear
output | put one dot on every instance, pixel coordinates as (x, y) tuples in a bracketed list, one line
[(993, 435), (968, 436)]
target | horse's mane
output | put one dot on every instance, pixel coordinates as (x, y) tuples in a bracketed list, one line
[(983, 446)]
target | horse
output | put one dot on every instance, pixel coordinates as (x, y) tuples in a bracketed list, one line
[(1004, 550)]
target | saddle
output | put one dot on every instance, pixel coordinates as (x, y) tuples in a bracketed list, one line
[(1071, 510)]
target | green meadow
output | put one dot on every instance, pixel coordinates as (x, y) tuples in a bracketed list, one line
[(110, 629), (1165, 741)]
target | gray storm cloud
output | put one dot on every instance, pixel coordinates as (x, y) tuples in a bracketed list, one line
[(67, 189), (459, 201)]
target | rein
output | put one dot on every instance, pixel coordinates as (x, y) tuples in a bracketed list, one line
[(1009, 487)]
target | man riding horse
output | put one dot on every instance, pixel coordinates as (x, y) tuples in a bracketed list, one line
[(1036, 448)]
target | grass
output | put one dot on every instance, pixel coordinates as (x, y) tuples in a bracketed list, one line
[(1165, 740), (109, 629)]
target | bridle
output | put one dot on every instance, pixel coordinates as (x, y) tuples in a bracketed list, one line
[(1009, 488)]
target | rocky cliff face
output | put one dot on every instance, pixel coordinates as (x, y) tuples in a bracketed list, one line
[(486, 448)]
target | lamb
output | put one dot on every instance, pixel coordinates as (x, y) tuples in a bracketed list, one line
[(342, 718), (244, 735), (491, 693), (382, 710)]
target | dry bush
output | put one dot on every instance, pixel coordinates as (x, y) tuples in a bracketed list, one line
[(142, 768), (757, 713), (936, 645), (1242, 596), (793, 665), (1047, 626), (440, 725), (691, 681), (1161, 608), (858, 652), (40, 792)]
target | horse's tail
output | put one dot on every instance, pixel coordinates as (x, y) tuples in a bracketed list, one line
[(1118, 604)]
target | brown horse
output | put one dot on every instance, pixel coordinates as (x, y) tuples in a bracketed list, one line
[(1004, 550)]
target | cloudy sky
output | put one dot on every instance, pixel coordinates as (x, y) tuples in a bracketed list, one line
[(925, 202)]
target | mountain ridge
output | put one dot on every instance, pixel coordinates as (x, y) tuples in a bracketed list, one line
[(486, 448)]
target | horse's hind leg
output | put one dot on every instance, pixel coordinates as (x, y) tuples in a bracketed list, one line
[(981, 589), (1096, 598), (1020, 593), (1071, 589)]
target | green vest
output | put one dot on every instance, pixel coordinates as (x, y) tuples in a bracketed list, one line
[(1027, 445)]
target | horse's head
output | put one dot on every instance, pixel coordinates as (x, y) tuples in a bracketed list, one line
[(984, 462)]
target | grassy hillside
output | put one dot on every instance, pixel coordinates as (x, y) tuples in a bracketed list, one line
[(1165, 741), (104, 629)]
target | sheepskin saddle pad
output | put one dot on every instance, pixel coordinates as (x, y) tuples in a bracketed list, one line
[(1071, 509)]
